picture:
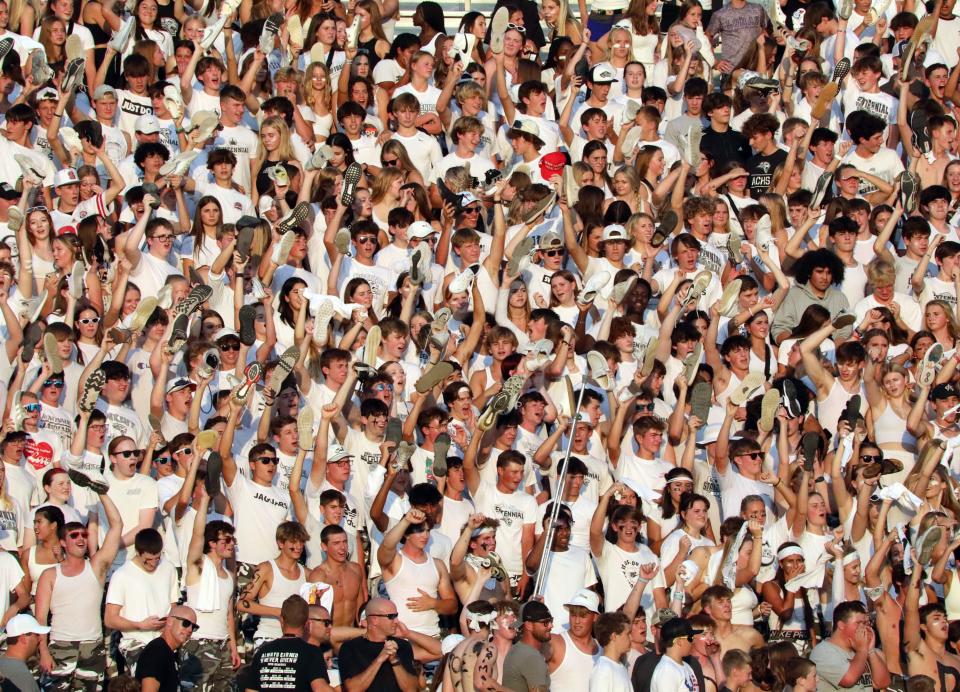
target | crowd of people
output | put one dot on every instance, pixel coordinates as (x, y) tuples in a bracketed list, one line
[(607, 348)]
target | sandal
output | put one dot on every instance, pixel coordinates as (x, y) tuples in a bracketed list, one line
[(434, 376), (91, 391)]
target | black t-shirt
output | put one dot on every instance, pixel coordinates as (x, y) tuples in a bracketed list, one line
[(725, 146), (761, 169), (159, 661), (356, 655), (288, 663)]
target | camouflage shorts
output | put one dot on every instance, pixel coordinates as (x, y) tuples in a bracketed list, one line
[(77, 665), (131, 651), (245, 574), (205, 664)]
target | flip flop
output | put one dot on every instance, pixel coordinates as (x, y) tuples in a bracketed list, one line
[(809, 444), (701, 395), (51, 349), (571, 191), (520, 258), (730, 298), (206, 440), (214, 468), (768, 410), (843, 320), (747, 387), (926, 543), (691, 364), (32, 334), (928, 366), (305, 438), (434, 376), (622, 289), (441, 447), (372, 345)]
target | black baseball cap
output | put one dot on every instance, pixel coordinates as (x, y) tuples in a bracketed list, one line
[(676, 629), (942, 391), (8, 193), (535, 611)]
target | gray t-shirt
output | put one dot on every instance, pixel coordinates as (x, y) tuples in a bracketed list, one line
[(524, 668), (832, 663), (739, 28), (16, 671)]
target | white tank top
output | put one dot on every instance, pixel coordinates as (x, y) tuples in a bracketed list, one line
[(212, 625), (269, 627), (404, 584), (75, 607), (36, 569), (829, 410), (575, 669)]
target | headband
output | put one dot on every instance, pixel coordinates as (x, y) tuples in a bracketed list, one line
[(680, 477), (850, 558), (482, 529), (789, 551), (476, 620)]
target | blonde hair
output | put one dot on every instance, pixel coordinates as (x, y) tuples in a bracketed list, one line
[(630, 55), (382, 183), (285, 149), (307, 90), (376, 21)]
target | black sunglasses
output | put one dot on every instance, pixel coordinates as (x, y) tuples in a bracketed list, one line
[(871, 457), (127, 453), (389, 616), (325, 621), (230, 346), (268, 460), (187, 623)]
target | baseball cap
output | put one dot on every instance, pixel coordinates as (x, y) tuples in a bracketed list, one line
[(225, 334), (585, 598), (180, 383), (147, 124), (48, 94), (549, 241), (528, 127), (942, 391), (420, 229), (337, 452), (246, 221), (662, 616), (8, 193), (467, 198), (65, 176), (535, 611), (614, 232), (103, 91), (24, 624), (265, 203), (603, 73), (677, 628), (552, 164)]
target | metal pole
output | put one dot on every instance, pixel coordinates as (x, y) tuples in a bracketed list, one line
[(561, 484)]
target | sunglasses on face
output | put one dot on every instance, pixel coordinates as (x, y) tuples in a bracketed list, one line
[(268, 460), (187, 623), (870, 457), (53, 383), (230, 346), (227, 540), (383, 387), (362, 240), (327, 622), (753, 455), (162, 460), (128, 453), (471, 210), (389, 616), (185, 450), (31, 408), (89, 320), (79, 533), (391, 162)]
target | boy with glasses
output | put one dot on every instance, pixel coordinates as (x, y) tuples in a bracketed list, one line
[(259, 506), (672, 672), (151, 268), (134, 494), (70, 595)]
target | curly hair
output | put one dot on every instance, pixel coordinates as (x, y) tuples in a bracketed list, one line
[(819, 259)]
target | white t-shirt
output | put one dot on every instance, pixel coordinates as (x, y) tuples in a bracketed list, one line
[(514, 510), (479, 165), (242, 141), (132, 495), (423, 150), (141, 594), (258, 509), (610, 676), (670, 676)]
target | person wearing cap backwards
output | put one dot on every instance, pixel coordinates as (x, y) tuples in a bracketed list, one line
[(614, 244), (943, 425), (23, 637), (525, 669), (672, 672), (146, 130), (574, 652), (599, 80), (531, 104), (116, 142), (171, 401), (524, 137)]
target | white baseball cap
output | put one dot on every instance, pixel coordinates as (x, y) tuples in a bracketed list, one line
[(65, 176), (25, 624), (147, 124), (585, 598)]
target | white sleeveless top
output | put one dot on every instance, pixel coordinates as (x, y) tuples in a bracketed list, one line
[(575, 669), (75, 607), (269, 627), (36, 569), (405, 584), (212, 625)]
